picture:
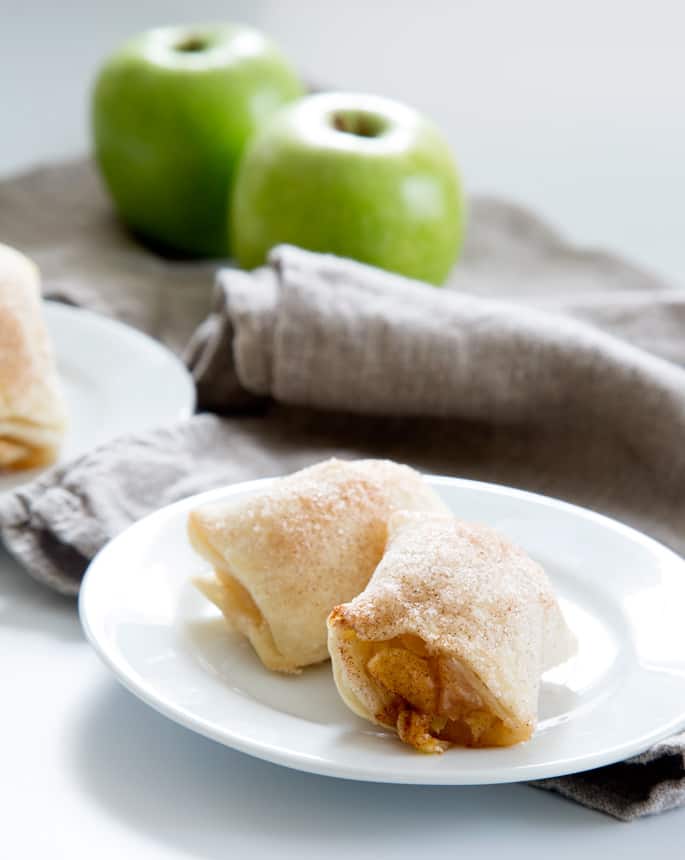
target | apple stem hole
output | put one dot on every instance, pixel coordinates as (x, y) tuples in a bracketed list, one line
[(192, 44), (361, 123)]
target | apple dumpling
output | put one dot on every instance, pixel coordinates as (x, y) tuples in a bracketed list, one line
[(447, 643), (32, 410), (283, 558)]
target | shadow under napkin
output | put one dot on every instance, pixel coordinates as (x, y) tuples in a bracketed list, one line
[(26, 605)]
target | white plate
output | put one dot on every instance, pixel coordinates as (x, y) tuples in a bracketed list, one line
[(116, 380), (622, 593)]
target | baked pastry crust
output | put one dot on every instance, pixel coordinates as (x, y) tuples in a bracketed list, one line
[(448, 641), (285, 557), (32, 410)]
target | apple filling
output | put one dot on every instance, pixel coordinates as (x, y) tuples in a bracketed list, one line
[(15, 455), (433, 700)]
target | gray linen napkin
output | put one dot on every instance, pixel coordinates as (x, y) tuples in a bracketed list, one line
[(314, 356)]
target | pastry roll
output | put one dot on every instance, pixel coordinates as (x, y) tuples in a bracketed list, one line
[(449, 639), (32, 410), (285, 557)]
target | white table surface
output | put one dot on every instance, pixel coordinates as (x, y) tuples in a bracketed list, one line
[(575, 109), (89, 771)]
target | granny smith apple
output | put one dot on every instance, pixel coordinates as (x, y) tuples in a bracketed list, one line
[(172, 111), (356, 175)]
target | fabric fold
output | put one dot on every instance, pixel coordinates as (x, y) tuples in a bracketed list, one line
[(318, 331)]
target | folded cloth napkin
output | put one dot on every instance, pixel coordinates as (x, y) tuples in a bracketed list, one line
[(546, 366)]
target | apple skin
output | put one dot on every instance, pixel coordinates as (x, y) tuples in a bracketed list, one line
[(172, 111), (354, 175)]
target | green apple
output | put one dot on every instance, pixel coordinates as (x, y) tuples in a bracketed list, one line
[(172, 111), (355, 175)]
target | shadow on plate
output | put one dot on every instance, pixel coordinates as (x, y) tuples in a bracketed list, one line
[(195, 795), (309, 696)]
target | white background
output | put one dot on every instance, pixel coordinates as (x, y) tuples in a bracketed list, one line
[(576, 108)]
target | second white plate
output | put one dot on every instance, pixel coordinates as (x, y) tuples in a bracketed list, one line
[(116, 380), (622, 593)]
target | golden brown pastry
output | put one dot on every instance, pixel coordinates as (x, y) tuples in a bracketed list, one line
[(449, 639), (285, 557), (32, 410)]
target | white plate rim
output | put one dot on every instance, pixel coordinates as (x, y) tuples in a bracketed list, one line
[(124, 330), (301, 762)]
